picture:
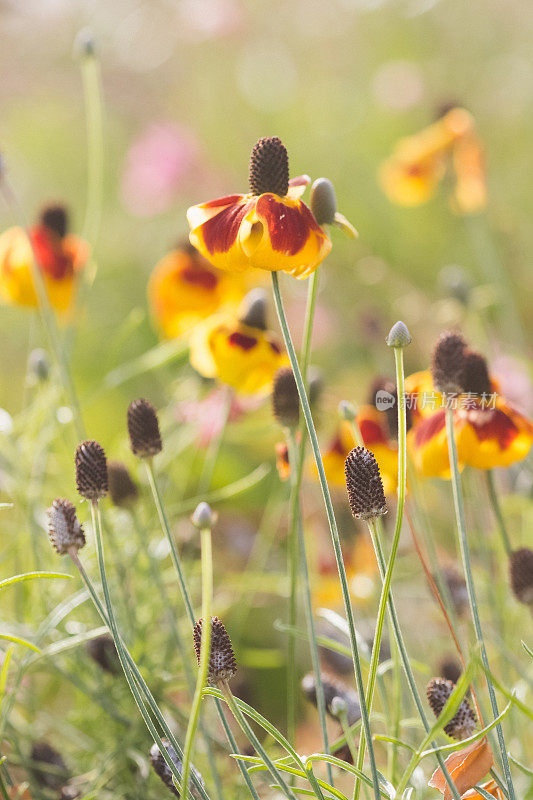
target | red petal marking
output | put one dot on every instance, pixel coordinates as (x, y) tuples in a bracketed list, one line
[(275, 347), (198, 276), (241, 340), (372, 432), (49, 254), (220, 232), (337, 446), (492, 423), (222, 201), (289, 226), (429, 427)]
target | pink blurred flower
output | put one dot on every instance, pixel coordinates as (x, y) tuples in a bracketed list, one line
[(208, 414), (158, 164), (513, 376)]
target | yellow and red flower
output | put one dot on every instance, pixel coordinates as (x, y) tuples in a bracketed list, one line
[(238, 350), (488, 431), (410, 176), (374, 431), (269, 228), (185, 289), (58, 255)]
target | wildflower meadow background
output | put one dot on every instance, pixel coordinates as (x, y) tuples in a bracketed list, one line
[(120, 124)]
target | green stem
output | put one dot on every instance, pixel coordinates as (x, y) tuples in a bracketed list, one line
[(254, 741), (125, 659), (465, 555), (493, 496), (90, 72), (332, 525), (385, 589), (312, 294), (205, 652), (234, 749), (166, 530), (294, 514)]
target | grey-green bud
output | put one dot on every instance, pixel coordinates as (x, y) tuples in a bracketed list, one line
[(204, 517), (399, 335), (323, 201), (347, 410)]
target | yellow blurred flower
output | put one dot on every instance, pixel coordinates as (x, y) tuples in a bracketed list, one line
[(269, 228), (373, 426), (361, 570), (185, 289), (238, 349), (58, 255), (410, 176), (488, 431)]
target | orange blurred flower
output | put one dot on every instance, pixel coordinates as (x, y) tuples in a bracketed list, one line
[(58, 255), (238, 349), (282, 461), (466, 767), (269, 228), (184, 289), (361, 569), (410, 176), (489, 432), (374, 431)]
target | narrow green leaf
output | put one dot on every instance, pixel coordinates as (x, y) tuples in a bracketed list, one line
[(18, 640), (29, 576)]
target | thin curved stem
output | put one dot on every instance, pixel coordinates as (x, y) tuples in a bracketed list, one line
[(495, 503), (166, 530), (332, 525), (294, 515), (385, 589), (465, 555), (205, 651)]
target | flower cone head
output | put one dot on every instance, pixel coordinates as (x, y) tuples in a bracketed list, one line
[(143, 429), (91, 470), (270, 228), (222, 663), (363, 484), (463, 723), (64, 529)]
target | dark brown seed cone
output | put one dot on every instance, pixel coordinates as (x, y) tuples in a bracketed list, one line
[(269, 167), (463, 723), (55, 218), (91, 470), (222, 663), (64, 528), (48, 766), (285, 398), (143, 428), (122, 489), (448, 361), (450, 669), (102, 650), (457, 588), (363, 484), (521, 572), (163, 770), (333, 688), (474, 374)]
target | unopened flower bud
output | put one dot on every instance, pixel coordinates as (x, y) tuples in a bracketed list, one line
[(323, 201), (399, 335), (204, 517), (347, 411)]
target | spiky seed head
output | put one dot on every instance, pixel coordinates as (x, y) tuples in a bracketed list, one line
[(521, 573), (474, 376), (222, 663), (447, 362), (334, 691), (450, 669), (269, 167), (123, 490), (48, 766), (323, 201), (64, 528), (253, 310), (204, 517), (143, 429), (55, 218), (91, 470), (162, 769), (399, 335), (463, 723), (103, 652), (363, 484), (285, 398)]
